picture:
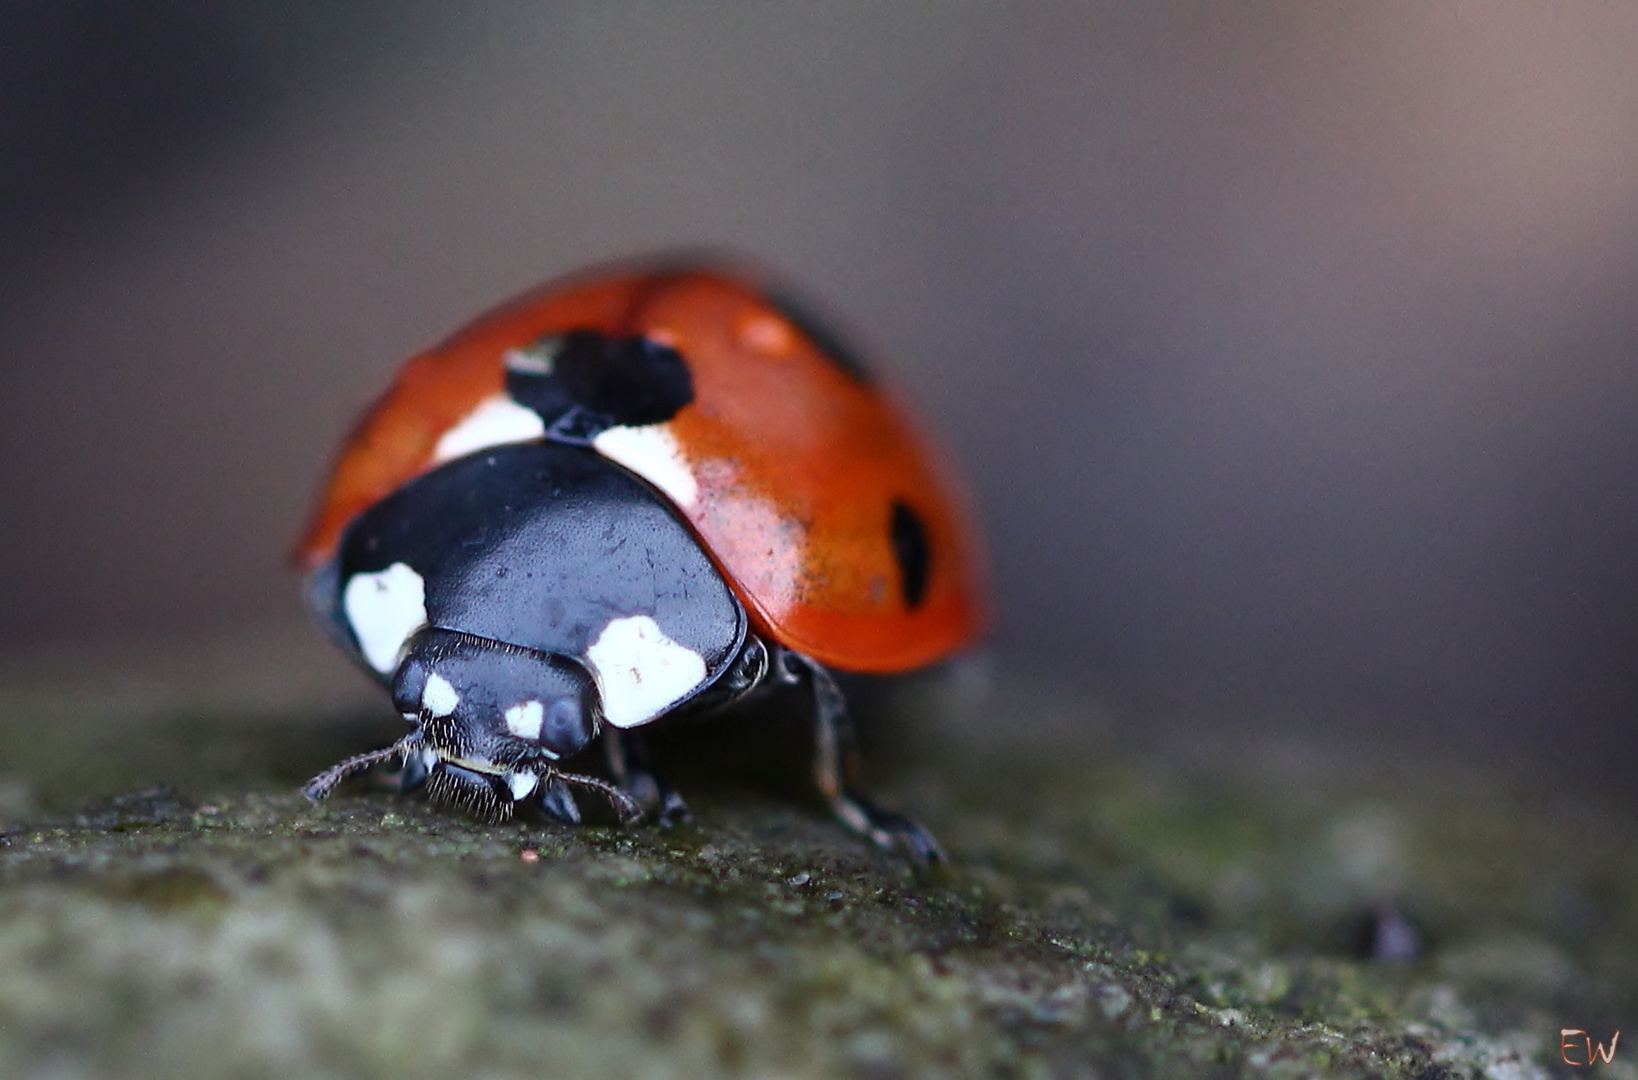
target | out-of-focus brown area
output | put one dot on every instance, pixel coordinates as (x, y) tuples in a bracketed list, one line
[(1292, 351)]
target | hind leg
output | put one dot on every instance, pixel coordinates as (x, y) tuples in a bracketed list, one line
[(836, 767)]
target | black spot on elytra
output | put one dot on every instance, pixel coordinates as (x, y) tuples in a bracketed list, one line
[(623, 381), (845, 359), (910, 549)]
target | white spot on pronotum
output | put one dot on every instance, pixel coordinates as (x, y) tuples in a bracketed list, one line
[(495, 421), (652, 452), (523, 720), (384, 609), (641, 672), (522, 784), (438, 697)]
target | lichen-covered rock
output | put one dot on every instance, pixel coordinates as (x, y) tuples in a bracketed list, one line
[(1106, 913)]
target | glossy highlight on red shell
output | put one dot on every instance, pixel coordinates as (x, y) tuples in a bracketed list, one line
[(830, 516)]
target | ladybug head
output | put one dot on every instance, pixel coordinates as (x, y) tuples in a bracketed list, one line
[(493, 718), (478, 698)]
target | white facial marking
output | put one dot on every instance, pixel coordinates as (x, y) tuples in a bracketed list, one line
[(523, 720), (640, 672), (652, 452), (439, 697), (385, 608), (477, 765), (495, 421), (522, 784)]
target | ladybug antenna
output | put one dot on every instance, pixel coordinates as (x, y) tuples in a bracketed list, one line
[(320, 786), (623, 805)]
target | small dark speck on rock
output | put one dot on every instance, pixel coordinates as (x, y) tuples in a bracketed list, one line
[(157, 805), (1388, 936)]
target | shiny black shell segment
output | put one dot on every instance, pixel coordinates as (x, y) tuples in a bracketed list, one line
[(541, 545)]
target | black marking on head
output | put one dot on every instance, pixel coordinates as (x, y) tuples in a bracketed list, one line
[(911, 550), (623, 381), (565, 726), (824, 338)]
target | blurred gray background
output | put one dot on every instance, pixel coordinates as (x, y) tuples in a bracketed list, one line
[(1291, 349)]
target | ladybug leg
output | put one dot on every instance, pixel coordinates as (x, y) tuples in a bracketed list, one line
[(836, 768), (557, 801), (628, 763)]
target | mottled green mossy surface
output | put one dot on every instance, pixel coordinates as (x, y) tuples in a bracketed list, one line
[(1110, 910)]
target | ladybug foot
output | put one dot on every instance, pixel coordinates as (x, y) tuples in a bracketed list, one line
[(660, 802), (673, 811), (558, 802), (628, 762), (886, 829), (835, 763)]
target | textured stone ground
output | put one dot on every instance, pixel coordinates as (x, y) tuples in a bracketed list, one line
[(1113, 908)]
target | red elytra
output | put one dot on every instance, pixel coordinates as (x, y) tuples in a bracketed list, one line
[(797, 461)]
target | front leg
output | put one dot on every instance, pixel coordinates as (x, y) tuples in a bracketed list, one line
[(836, 769), (628, 764)]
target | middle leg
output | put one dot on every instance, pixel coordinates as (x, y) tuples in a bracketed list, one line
[(628, 765)]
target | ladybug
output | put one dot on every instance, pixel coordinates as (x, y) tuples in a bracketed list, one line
[(635, 493)]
